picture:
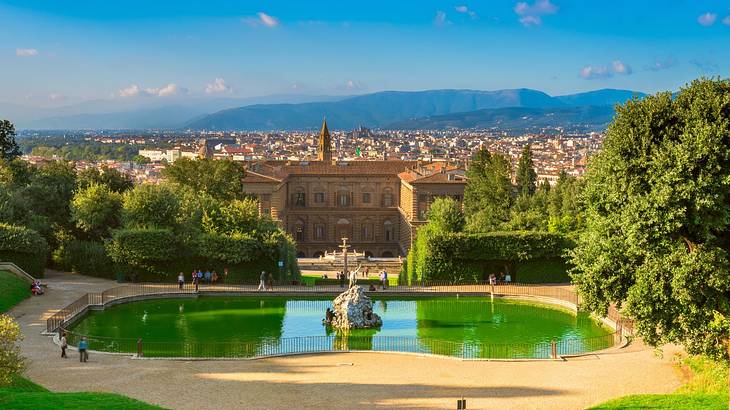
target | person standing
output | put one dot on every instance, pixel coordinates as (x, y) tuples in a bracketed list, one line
[(225, 274), (196, 282), (341, 277), (207, 276), (384, 279), (214, 278), (180, 281), (64, 345), (270, 281), (262, 281), (83, 345)]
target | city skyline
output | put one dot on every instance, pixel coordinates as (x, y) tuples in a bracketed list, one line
[(68, 52)]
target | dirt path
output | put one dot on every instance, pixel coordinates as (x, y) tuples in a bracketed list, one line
[(342, 380)]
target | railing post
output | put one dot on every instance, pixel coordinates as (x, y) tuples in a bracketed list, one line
[(139, 347), (553, 349)]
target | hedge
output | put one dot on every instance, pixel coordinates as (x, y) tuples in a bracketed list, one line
[(24, 247), (469, 257), (85, 257)]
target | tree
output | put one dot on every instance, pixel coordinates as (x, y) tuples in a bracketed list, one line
[(9, 148), (221, 179), (150, 206), (526, 176), (445, 215), (657, 206), (115, 180), (96, 210), (488, 192), (238, 216), (11, 362)]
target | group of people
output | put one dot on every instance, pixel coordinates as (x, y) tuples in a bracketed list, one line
[(36, 288), (198, 276), (83, 348), (342, 276), (501, 278)]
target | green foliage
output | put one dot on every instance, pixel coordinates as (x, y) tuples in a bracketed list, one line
[(234, 248), (151, 206), (96, 210), (657, 214), (236, 216), (11, 362), (445, 215), (551, 270), (113, 179), (667, 401), (141, 245), (221, 179), (14, 291), (9, 148), (488, 194), (24, 247), (526, 176), (88, 258)]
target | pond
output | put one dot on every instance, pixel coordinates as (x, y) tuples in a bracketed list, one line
[(472, 327)]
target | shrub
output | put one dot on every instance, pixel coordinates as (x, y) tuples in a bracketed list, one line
[(11, 362), (24, 247), (85, 257)]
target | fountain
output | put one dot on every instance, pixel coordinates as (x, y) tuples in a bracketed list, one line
[(353, 309)]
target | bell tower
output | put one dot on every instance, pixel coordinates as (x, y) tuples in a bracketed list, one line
[(324, 148)]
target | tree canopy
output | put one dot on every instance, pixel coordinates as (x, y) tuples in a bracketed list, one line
[(526, 176), (9, 148), (657, 209), (488, 194), (221, 179)]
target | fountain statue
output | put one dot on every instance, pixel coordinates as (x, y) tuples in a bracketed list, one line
[(353, 309)]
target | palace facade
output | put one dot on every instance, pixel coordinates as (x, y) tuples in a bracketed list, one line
[(377, 205)]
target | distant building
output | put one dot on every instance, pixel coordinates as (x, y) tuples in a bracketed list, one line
[(377, 205)]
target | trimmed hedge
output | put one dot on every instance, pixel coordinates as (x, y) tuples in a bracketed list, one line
[(85, 257), (469, 257), (24, 247)]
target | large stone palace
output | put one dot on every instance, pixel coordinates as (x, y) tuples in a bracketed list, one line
[(377, 205)]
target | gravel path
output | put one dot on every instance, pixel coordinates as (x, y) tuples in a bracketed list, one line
[(341, 380)]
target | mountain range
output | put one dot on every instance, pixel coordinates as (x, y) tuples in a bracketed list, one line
[(432, 109)]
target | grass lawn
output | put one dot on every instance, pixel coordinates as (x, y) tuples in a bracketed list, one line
[(706, 388), (24, 394), (14, 290)]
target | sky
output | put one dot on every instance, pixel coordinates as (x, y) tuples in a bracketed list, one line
[(60, 52)]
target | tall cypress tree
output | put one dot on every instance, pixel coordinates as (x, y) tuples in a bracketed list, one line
[(9, 148), (526, 175)]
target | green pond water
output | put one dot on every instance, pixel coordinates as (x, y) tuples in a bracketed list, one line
[(251, 326)]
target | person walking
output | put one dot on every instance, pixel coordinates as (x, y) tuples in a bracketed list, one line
[(180, 281), (262, 281), (64, 345), (83, 345), (270, 282)]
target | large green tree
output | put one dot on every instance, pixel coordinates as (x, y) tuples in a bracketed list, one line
[(488, 192), (657, 202), (96, 210), (526, 176), (221, 179), (445, 215), (151, 206), (9, 148), (113, 179)]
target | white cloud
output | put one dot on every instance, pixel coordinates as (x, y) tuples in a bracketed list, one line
[(218, 86), (166, 91), (591, 72), (26, 52), (619, 67), (57, 97), (260, 19), (131, 91), (465, 10), (726, 21), (659, 65), (353, 85), (440, 20), (707, 19), (530, 14)]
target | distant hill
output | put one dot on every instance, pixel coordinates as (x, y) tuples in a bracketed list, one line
[(516, 118), (372, 110), (606, 96)]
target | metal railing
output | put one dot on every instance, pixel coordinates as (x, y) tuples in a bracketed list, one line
[(314, 344), (346, 343)]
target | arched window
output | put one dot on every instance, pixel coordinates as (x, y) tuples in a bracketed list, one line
[(388, 231), (301, 254), (318, 254), (344, 229), (368, 254), (387, 197), (388, 254)]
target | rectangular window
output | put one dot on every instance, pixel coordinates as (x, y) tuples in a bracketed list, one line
[(344, 199), (319, 231), (366, 197), (319, 197), (299, 199), (267, 211)]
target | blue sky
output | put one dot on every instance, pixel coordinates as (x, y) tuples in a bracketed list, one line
[(58, 52)]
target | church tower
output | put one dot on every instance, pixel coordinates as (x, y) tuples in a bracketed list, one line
[(324, 148)]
